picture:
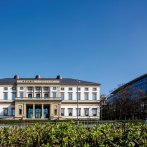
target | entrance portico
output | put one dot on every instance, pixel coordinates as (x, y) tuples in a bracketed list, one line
[(37, 109)]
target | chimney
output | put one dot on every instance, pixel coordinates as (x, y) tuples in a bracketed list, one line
[(59, 77), (16, 77), (37, 77)]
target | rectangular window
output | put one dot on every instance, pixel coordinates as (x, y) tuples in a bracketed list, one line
[(86, 96), (30, 88), (62, 96), (94, 89), (13, 111), (21, 88), (94, 95), (86, 111), (21, 94), (78, 111), (13, 96), (38, 88), (54, 94), (13, 88), (30, 95), (62, 88), (46, 95), (46, 88), (5, 111), (94, 111), (70, 111), (70, 88), (20, 111), (79, 96), (54, 88), (62, 111), (69, 96), (79, 89), (5, 88), (86, 89), (38, 95), (5, 96)]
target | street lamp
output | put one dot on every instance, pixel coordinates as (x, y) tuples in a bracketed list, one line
[(77, 100)]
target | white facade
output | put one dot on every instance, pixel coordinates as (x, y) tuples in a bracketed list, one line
[(49, 98)]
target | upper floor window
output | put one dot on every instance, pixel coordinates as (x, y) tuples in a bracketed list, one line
[(38, 88), (70, 88), (54, 94), (5, 110), (62, 88), (21, 88), (54, 88), (86, 96), (86, 89), (38, 95), (62, 96), (30, 95), (46, 95), (69, 96), (94, 96), (79, 96), (94, 89), (62, 111), (30, 88), (5, 88), (5, 96), (70, 111), (13, 88), (46, 88), (94, 111), (79, 89), (13, 96), (21, 95)]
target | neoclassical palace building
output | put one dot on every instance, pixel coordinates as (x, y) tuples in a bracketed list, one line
[(49, 98)]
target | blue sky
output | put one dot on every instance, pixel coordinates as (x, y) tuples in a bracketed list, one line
[(95, 40)]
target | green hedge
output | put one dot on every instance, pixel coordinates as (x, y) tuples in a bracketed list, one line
[(68, 134)]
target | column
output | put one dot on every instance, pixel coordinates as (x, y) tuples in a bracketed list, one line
[(42, 109), (33, 111), (59, 110), (24, 110), (51, 111)]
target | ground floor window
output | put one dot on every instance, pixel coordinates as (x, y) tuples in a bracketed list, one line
[(70, 111), (13, 111), (5, 111), (94, 111), (86, 111), (62, 111)]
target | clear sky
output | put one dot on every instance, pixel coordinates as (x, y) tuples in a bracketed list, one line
[(102, 41)]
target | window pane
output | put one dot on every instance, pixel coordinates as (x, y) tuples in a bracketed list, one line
[(62, 96), (37, 95), (5, 96), (21, 95), (69, 111), (13, 96), (79, 111), (46, 95), (30, 95), (94, 96), (86, 96), (21, 88), (94, 111), (70, 96), (5, 111), (62, 111), (86, 110), (54, 94)]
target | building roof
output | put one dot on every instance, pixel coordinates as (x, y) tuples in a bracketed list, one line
[(129, 83), (63, 81)]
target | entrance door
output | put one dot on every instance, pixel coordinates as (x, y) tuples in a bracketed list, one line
[(38, 112)]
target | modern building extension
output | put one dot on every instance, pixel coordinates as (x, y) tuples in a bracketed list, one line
[(130, 99), (49, 98)]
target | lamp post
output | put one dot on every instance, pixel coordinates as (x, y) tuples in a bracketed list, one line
[(77, 101)]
